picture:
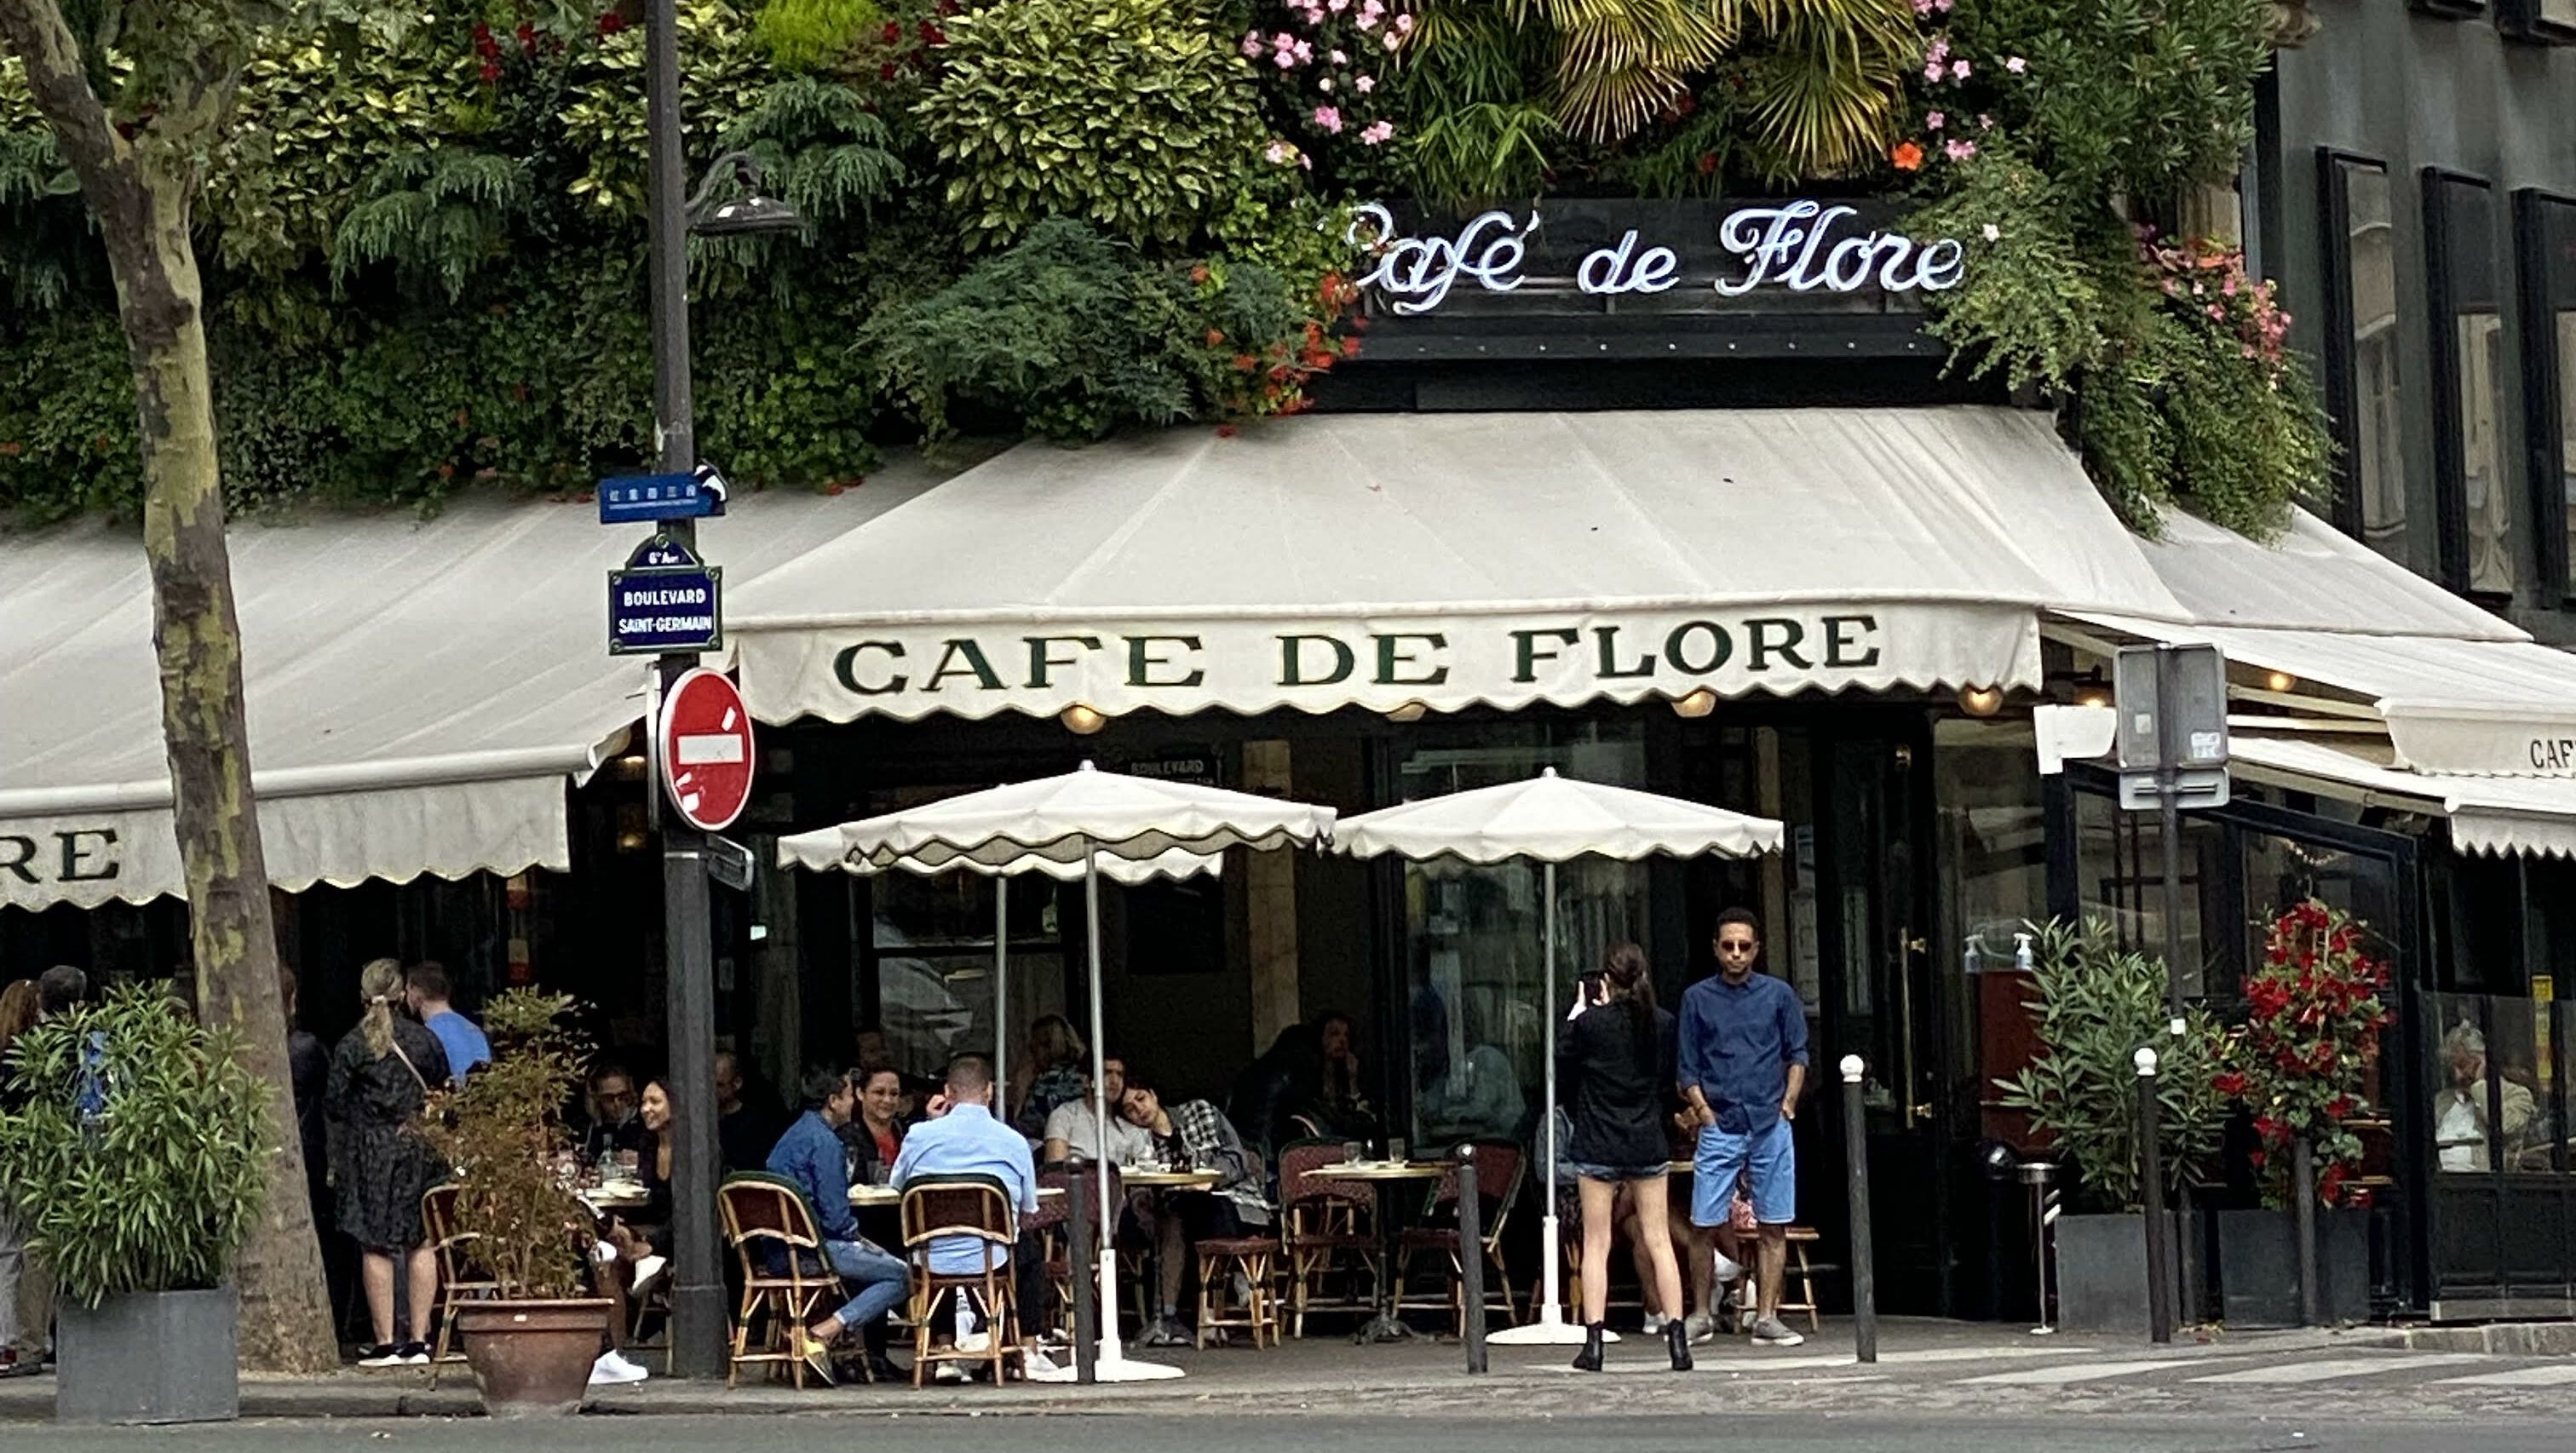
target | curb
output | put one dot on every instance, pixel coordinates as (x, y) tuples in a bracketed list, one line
[(2502, 1339)]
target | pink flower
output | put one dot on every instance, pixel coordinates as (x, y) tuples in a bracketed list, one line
[(1934, 121), (1922, 7), (1394, 37), (1287, 60), (1404, 24), (1377, 132), (2016, 64), (1279, 153), (1324, 84), (1932, 72), (1938, 51), (1337, 6), (1252, 44), (1340, 59), (1329, 118), (1364, 84), (1959, 150), (1958, 70), (1991, 232), (2216, 311), (1985, 122)]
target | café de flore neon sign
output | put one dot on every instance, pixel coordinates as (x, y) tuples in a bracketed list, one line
[(1802, 245)]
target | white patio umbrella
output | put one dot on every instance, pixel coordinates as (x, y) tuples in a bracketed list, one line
[(825, 848), (1080, 818), (1553, 819)]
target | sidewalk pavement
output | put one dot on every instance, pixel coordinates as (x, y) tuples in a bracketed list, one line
[(1425, 1376)]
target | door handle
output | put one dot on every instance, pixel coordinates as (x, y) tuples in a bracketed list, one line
[(1907, 947)]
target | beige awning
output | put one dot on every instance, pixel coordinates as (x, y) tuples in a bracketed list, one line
[(421, 692), (1447, 560), (2499, 816)]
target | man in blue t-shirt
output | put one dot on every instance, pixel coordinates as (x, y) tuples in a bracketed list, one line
[(1743, 1061), (425, 985)]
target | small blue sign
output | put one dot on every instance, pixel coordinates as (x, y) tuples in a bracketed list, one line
[(662, 553), (644, 498), (663, 608)]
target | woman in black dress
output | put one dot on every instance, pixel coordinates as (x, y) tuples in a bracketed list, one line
[(380, 1077), (1615, 1058)]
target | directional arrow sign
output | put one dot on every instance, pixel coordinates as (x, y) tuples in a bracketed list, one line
[(705, 745)]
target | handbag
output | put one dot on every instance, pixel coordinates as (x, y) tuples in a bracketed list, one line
[(1739, 1212)]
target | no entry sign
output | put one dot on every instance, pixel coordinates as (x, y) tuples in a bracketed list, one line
[(705, 740)]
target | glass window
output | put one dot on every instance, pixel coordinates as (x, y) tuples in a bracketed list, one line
[(1475, 936), (2363, 372), (2119, 861), (2474, 453), (2494, 1101), (1994, 877), (2548, 241)]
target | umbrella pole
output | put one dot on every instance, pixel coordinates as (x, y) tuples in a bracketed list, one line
[(1001, 998), (1551, 1328)]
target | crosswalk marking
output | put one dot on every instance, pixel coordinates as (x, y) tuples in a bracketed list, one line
[(2332, 1368), (2548, 1375), (2074, 1372)]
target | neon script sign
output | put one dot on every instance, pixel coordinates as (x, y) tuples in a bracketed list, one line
[(1802, 245)]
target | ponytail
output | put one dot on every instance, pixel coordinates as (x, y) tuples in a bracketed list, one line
[(379, 983), (1624, 970)]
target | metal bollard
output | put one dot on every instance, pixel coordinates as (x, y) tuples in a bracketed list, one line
[(2303, 1195), (1864, 1267), (1471, 1257), (1081, 1239), (2151, 1191)]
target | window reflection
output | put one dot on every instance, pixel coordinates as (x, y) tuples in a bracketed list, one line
[(2479, 460), (2372, 437), (2548, 240), (2120, 864)]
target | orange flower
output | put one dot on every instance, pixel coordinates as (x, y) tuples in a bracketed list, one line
[(1907, 156)]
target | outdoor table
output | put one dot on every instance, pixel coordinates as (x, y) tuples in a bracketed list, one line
[(613, 1196), (1386, 1326), (891, 1196), (1161, 1183)]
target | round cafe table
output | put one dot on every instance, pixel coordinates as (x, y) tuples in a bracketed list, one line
[(1386, 1326), (889, 1196)]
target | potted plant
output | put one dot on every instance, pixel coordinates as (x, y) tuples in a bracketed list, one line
[(2297, 1065), (503, 1131), (135, 1159), (2096, 1007)]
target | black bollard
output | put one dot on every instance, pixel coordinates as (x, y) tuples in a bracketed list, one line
[(2151, 1191), (1081, 1240), (1471, 1257), (1864, 1268)]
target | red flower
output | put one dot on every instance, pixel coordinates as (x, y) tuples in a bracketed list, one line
[(491, 72), (484, 45), (2230, 1084), (527, 38), (2269, 1130), (1245, 363), (886, 72), (893, 31), (932, 34), (1708, 162), (611, 23), (1907, 157), (1215, 336)]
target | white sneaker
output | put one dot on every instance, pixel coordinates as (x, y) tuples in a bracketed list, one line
[(1701, 1327), (612, 1369), (648, 1269), (1035, 1363), (975, 1342), (948, 1372), (1654, 1325), (1728, 1268), (1771, 1332)]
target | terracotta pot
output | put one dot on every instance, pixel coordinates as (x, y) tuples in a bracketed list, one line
[(532, 1359)]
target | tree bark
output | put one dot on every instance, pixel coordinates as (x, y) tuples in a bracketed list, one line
[(141, 183)]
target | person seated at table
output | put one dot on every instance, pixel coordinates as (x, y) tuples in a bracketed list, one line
[(874, 1136), (746, 1124), (1346, 1105), (1071, 1128), (1193, 1135), (1279, 1098), (1053, 1064), (638, 1242), (1474, 1096), (615, 1129), (961, 1138), (810, 1155)]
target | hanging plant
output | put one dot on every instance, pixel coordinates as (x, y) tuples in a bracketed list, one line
[(2299, 1061)]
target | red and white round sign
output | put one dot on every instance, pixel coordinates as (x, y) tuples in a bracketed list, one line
[(705, 737)]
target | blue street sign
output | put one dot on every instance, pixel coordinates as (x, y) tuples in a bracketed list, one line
[(658, 608), (662, 552), (644, 498)]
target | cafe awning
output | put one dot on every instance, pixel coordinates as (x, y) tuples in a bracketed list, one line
[(421, 691), (2461, 691), (2500, 816), (1447, 560)]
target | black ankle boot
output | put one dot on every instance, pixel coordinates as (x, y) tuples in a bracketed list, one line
[(1589, 1359), (1677, 1337)]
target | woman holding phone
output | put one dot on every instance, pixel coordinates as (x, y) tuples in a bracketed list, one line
[(1615, 1057)]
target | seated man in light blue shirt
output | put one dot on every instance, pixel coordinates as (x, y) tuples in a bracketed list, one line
[(963, 1139)]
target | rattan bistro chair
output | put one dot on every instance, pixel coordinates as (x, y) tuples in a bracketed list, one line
[(1499, 1167), (460, 1278), (1329, 1226), (784, 1274), (976, 1208)]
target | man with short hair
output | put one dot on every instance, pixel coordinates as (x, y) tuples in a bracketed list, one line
[(809, 1154), (616, 1121), (963, 1139), (743, 1133), (1070, 1128), (1743, 1062), (60, 989), (425, 985)]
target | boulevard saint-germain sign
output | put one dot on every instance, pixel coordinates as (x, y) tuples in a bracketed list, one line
[(1623, 277)]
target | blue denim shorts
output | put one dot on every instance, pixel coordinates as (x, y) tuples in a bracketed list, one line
[(1594, 1172), (1770, 1155)]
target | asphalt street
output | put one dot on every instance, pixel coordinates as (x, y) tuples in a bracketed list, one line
[(1493, 1432)]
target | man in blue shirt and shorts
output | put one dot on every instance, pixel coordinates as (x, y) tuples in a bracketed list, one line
[(1743, 1061)]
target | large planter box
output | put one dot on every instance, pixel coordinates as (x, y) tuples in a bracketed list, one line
[(2101, 1273), (149, 1357), (2258, 1267)]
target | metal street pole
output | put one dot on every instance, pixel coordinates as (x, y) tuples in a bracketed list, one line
[(688, 951), (2151, 1190), (2169, 753), (1864, 1265)]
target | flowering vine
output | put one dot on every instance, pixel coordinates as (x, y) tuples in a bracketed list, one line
[(1325, 63), (2309, 1040)]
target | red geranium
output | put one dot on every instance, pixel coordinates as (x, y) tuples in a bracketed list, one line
[(2311, 1032)]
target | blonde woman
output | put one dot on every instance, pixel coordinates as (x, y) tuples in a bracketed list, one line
[(380, 1077), (1056, 1063)]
